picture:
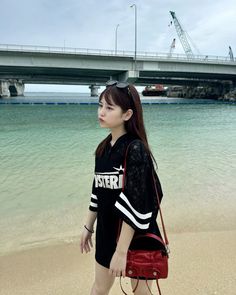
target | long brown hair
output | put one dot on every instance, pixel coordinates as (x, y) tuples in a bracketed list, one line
[(126, 98)]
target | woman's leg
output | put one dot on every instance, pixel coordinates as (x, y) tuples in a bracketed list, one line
[(142, 288), (103, 281)]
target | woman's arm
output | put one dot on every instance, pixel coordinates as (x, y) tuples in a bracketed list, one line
[(91, 217), (86, 236), (118, 261)]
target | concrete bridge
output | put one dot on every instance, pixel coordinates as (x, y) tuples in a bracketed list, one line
[(20, 64)]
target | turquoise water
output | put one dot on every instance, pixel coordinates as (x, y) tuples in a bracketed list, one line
[(46, 168)]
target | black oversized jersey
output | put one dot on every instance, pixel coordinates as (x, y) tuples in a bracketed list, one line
[(136, 204)]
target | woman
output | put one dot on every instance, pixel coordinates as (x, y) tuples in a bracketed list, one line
[(120, 214)]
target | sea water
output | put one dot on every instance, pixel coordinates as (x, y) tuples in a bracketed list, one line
[(47, 164)]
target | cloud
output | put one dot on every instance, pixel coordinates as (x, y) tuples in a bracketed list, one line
[(91, 24)]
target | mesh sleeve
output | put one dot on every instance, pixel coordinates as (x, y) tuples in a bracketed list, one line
[(137, 203)]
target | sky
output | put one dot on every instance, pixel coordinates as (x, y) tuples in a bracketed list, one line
[(211, 25)]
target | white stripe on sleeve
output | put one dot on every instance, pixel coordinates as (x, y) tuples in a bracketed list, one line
[(94, 205), (139, 215), (131, 217), (94, 197)]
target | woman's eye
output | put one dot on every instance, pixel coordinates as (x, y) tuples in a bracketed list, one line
[(108, 107)]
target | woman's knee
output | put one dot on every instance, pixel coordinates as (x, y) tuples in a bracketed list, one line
[(103, 281)]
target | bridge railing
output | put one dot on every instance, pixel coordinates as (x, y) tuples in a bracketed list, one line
[(121, 53)]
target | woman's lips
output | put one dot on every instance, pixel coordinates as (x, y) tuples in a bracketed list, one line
[(100, 120)]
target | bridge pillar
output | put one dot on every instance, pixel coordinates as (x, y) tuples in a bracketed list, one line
[(16, 88), (128, 76), (20, 87), (94, 90), (4, 89), (11, 88)]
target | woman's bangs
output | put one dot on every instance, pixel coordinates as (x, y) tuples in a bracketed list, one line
[(106, 94), (116, 96)]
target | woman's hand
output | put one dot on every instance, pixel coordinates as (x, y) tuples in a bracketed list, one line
[(86, 241), (119, 258), (118, 264)]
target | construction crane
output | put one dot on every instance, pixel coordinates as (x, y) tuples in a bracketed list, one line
[(172, 47), (182, 36), (231, 55)]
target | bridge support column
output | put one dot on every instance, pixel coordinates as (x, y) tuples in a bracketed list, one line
[(4, 89), (11, 88), (94, 90), (16, 88), (128, 76)]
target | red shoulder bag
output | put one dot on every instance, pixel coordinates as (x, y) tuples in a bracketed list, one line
[(148, 264)]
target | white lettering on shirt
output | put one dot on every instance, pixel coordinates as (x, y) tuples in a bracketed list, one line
[(108, 181)]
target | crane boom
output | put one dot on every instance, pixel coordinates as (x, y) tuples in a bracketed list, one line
[(182, 36)]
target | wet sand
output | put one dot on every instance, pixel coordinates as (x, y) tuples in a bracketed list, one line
[(200, 263)]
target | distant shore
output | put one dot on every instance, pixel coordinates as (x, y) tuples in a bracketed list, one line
[(38, 98)]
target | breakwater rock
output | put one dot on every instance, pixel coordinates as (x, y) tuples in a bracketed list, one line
[(202, 92), (230, 96)]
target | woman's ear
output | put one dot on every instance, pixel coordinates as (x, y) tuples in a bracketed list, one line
[(127, 115)]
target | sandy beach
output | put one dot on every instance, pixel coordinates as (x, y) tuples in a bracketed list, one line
[(46, 176), (200, 263)]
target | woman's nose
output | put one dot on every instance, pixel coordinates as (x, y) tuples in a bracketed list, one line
[(101, 111)]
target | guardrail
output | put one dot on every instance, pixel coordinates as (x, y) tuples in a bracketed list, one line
[(118, 53)]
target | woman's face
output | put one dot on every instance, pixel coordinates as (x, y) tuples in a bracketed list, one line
[(110, 115)]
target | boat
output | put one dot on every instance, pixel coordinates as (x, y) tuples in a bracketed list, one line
[(154, 90)]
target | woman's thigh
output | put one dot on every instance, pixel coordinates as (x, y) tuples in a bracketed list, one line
[(142, 288), (103, 280)]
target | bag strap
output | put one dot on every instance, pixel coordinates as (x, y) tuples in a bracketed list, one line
[(150, 235), (166, 241), (161, 216), (135, 288)]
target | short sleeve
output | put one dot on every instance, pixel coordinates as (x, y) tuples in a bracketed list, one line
[(136, 204), (94, 199)]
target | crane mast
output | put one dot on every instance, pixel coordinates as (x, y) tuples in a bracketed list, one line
[(182, 36), (231, 55), (172, 47)]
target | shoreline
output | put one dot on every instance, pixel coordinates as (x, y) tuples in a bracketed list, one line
[(200, 263), (70, 98), (229, 98)]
